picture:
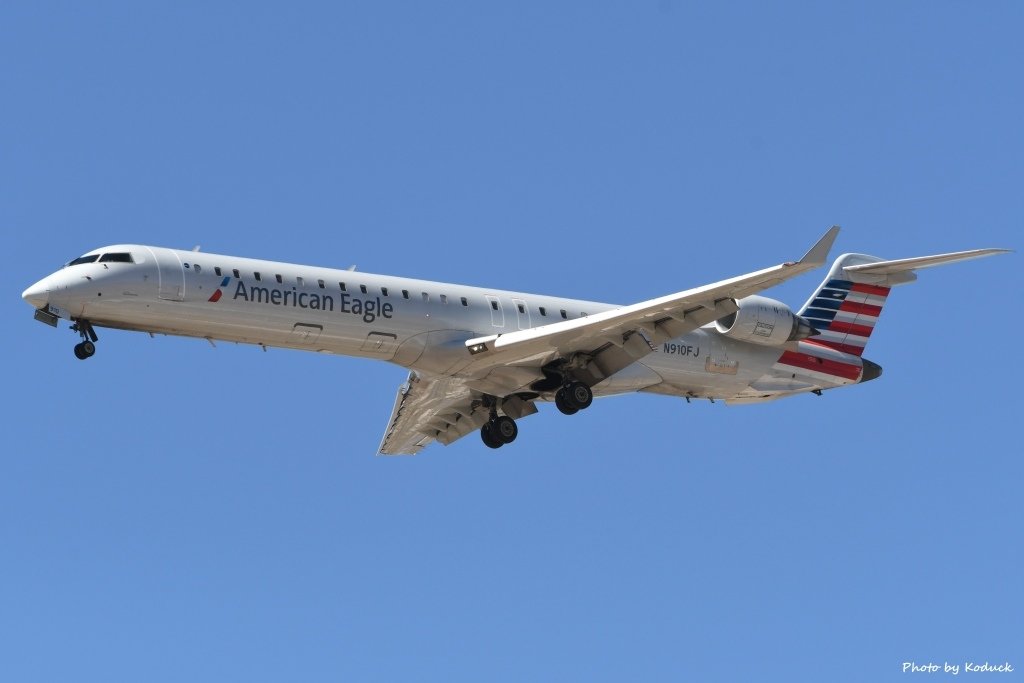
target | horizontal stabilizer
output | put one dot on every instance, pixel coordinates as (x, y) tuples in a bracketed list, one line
[(904, 264)]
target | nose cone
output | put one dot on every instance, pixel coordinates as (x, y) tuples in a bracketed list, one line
[(37, 295)]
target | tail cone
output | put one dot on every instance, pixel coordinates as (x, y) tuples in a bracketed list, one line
[(871, 371)]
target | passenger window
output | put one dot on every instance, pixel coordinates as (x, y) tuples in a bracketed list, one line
[(521, 308), (300, 282), (321, 283), (543, 311), (564, 315), (464, 302), (444, 298), (235, 273), (342, 286), (384, 291), (216, 269), (258, 276), (405, 293), (494, 304), (279, 279), (426, 297), (198, 268)]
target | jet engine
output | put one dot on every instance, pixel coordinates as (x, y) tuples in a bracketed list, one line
[(765, 321)]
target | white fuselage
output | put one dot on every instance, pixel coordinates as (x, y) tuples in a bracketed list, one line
[(418, 324)]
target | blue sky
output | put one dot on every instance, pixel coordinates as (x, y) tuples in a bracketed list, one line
[(173, 511)]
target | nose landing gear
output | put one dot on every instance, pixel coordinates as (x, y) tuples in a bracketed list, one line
[(87, 347), (84, 350)]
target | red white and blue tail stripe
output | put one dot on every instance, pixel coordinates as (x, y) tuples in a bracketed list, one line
[(844, 312)]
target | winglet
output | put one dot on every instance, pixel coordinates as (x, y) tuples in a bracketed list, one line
[(819, 252)]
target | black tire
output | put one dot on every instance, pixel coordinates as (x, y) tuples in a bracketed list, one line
[(78, 352), (580, 395), (564, 404), (88, 349), (504, 428), (490, 440)]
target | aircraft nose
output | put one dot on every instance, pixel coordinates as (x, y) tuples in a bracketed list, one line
[(37, 295)]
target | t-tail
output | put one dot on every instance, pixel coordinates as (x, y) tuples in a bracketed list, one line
[(845, 308)]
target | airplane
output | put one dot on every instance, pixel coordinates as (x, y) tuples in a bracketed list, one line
[(482, 359)]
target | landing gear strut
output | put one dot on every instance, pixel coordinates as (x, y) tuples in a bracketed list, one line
[(573, 397), (87, 347)]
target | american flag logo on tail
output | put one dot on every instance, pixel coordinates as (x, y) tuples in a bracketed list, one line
[(845, 313)]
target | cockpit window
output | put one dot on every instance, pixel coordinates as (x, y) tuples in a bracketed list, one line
[(88, 258), (122, 257)]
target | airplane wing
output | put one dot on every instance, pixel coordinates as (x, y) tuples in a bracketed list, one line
[(445, 409), (617, 338)]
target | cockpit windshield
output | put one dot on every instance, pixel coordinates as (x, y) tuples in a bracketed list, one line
[(111, 257), (123, 257)]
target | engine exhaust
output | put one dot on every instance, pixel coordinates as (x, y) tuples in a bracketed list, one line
[(802, 329)]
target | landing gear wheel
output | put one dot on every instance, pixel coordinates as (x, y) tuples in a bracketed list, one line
[(580, 395), (563, 403), (504, 428), (84, 350), (490, 440), (574, 397), (87, 347)]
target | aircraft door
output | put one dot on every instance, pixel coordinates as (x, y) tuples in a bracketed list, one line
[(497, 315), (171, 275), (522, 314)]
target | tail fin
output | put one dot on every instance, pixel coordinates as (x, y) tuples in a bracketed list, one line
[(846, 306), (844, 312)]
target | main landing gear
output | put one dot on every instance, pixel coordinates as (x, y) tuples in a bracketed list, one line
[(87, 347), (573, 397), (498, 431), (502, 429)]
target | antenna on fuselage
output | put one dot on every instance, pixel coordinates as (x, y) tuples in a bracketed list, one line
[(195, 248), (351, 268)]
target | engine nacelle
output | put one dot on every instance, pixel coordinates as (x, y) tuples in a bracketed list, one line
[(765, 321)]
